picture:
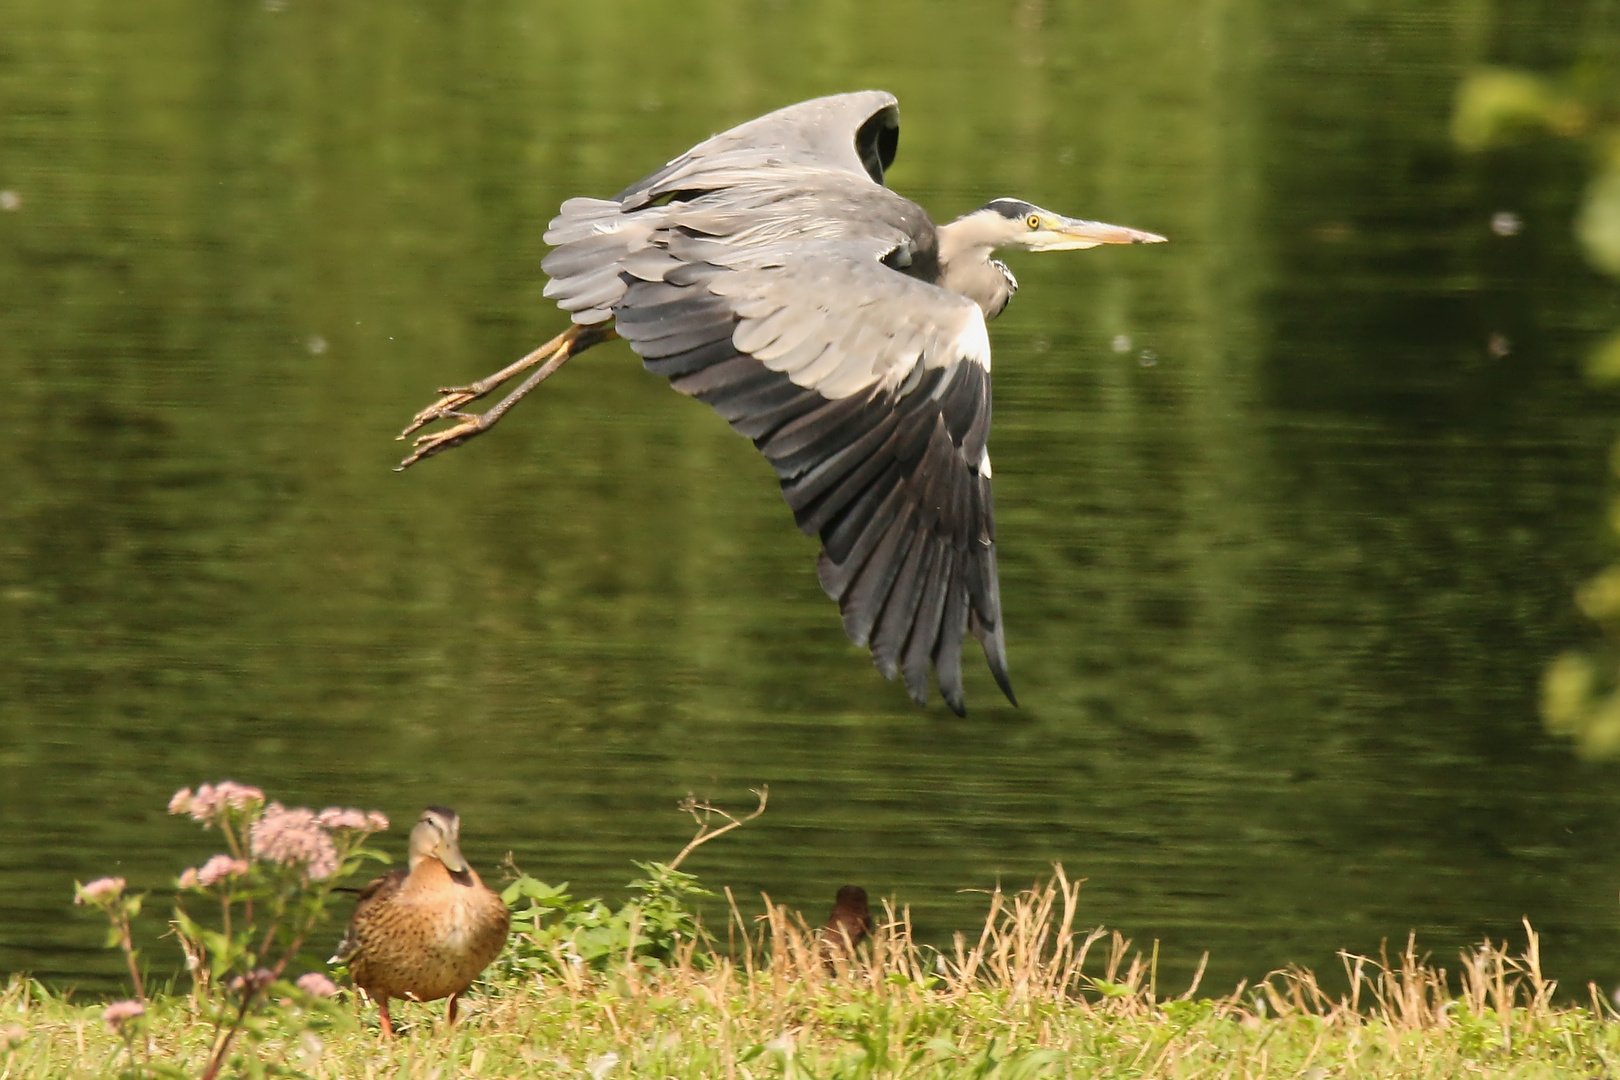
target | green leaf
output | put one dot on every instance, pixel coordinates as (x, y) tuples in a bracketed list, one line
[(1110, 989), (1029, 1065), (1603, 362), (1497, 105), (1597, 226)]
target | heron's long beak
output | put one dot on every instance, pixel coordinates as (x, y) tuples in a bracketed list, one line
[(1072, 234)]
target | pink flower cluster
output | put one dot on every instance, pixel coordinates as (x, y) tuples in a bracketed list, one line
[(212, 800), (120, 1013), (100, 890), (317, 985), (212, 872), (293, 838), (370, 821), (254, 981)]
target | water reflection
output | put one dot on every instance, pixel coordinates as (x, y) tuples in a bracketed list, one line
[(1277, 600)]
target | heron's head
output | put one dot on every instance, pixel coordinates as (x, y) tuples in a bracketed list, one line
[(438, 836), (1014, 223)]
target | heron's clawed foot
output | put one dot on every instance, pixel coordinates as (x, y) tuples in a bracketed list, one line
[(550, 356), (470, 424), (443, 409)]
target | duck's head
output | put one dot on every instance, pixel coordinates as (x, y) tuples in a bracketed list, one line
[(438, 836), (851, 898)]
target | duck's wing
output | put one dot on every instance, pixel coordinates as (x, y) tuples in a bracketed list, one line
[(378, 891)]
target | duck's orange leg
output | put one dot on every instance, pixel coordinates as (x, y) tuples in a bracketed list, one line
[(382, 1015)]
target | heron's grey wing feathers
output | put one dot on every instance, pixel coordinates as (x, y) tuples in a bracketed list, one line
[(877, 434), (592, 237), (846, 139), (833, 318), (852, 132)]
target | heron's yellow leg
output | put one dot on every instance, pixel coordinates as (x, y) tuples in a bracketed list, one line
[(551, 356), (457, 396)]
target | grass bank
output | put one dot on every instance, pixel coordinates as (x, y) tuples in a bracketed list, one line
[(1024, 996)]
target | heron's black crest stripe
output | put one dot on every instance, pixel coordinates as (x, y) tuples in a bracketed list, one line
[(1011, 209)]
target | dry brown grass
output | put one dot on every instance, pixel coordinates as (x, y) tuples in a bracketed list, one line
[(1027, 994)]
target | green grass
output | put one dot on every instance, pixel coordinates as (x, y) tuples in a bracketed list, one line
[(1024, 996)]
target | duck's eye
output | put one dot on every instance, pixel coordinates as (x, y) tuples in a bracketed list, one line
[(1033, 221)]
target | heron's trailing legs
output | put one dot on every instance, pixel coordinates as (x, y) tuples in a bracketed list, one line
[(550, 356)]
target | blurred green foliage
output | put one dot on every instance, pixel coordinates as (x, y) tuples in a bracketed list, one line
[(1496, 107)]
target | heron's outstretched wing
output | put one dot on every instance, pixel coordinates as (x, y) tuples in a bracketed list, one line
[(856, 133), (869, 392), (847, 138), (773, 296)]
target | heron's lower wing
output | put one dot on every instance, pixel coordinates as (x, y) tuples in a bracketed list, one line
[(869, 393)]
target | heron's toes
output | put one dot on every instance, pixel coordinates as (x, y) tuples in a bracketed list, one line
[(435, 441), (454, 397)]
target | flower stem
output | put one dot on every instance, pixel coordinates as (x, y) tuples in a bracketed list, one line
[(128, 945)]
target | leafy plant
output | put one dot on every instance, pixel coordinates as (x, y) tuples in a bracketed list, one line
[(554, 933), (1495, 107), (272, 888)]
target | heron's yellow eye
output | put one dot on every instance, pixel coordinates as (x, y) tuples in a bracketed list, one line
[(1033, 221)]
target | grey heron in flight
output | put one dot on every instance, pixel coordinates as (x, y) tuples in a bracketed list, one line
[(769, 273)]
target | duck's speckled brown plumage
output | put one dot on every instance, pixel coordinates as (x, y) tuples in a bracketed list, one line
[(423, 934)]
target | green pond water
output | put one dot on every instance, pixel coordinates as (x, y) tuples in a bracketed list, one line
[(1289, 510)]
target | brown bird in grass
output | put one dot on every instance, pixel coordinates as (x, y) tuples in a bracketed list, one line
[(847, 926), (427, 932)]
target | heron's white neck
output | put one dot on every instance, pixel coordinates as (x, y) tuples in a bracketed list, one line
[(965, 265)]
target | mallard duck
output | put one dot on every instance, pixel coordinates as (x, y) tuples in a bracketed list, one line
[(427, 932), (847, 925)]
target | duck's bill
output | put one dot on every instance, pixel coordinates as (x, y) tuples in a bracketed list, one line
[(450, 855)]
